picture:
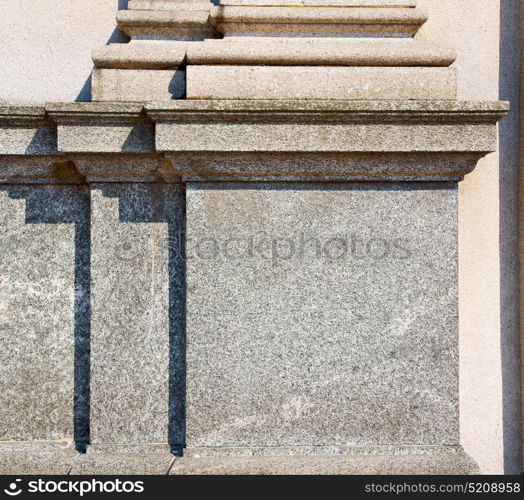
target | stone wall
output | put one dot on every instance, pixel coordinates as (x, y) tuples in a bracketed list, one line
[(486, 40)]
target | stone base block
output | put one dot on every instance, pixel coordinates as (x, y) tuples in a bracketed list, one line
[(458, 464), (123, 464), (36, 463), (136, 85), (63, 462), (319, 82)]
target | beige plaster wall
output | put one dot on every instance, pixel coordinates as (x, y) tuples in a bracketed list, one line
[(45, 51), (486, 36), (45, 47)]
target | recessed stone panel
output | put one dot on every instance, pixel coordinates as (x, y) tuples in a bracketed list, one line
[(321, 315)]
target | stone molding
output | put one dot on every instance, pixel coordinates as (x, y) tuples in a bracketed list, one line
[(169, 24), (287, 49), (203, 140), (314, 21)]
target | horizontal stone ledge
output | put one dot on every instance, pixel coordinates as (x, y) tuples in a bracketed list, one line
[(98, 113), (340, 52), (322, 126), (326, 111), (318, 21), (138, 85), (322, 167), (166, 24), (173, 18), (327, 465), (161, 54), (319, 82), (82, 168), (318, 15), (151, 54), (365, 137), (23, 115), (175, 4)]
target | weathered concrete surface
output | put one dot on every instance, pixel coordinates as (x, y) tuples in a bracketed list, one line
[(288, 286), (137, 309), (44, 240), (319, 82)]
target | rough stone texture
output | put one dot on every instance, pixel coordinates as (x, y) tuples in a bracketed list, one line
[(121, 464), (37, 463), (44, 243), (376, 465), (128, 85), (289, 52), (137, 314), (282, 349), (321, 82)]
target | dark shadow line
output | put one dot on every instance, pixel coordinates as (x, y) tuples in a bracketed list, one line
[(177, 332), (82, 365), (508, 236)]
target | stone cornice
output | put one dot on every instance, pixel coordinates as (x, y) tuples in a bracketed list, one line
[(246, 140), (326, 111), (97, 113), (23, 116)]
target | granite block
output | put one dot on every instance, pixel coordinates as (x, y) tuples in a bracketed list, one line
[(321, 315), (316, 21), (316, 465), (137, 85), (44, 293), (319, 82), (303, 52), (122, 464), (319, 3), (137, 314), (326, 137)]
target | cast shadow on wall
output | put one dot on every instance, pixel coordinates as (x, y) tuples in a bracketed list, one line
[(138, 203), (84, 95), (508, 237), (63, 204)]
